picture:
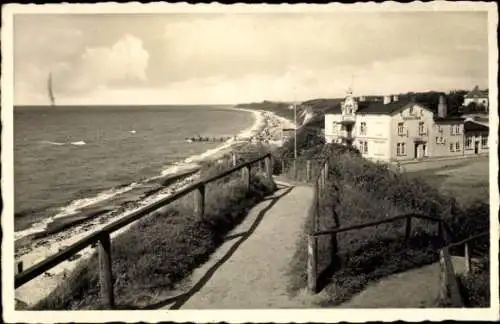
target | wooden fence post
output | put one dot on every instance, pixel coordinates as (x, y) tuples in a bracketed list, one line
[(234, 159), (295, 171), (269, 172), (334, 247), (325, 172), (105, 271), (282, 166), (308, 170), (19, 266), (467, 257), (199, 201), (449, 290), (442, 233), (246, 171), (311, 264), (408, 228)]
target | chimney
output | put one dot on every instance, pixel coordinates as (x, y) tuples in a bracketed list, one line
[(395, 98), (387, 100), (442, 107)]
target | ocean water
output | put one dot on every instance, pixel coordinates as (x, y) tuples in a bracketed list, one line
[(66, 154)]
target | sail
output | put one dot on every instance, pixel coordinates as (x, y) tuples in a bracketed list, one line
[(51, 93)]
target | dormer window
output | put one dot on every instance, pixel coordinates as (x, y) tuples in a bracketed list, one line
[(411, 110)]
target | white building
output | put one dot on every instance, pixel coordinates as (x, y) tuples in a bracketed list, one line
[(478, 97), (395, 129)]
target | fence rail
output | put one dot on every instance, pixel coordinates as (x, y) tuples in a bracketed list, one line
[(449, 292), (103, 236)]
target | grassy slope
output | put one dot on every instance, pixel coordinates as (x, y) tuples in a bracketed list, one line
[(164, 247), (360, 191)]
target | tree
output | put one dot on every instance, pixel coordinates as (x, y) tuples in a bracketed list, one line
[(470, 108)]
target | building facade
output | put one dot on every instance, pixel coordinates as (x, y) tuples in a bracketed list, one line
[(478, 97), (476, 138), (398, 130)]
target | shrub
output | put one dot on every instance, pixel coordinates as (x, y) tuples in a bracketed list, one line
[(360, 191), (475, 288)]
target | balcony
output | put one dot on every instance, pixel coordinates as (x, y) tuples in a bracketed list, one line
[(419, 139), (348, 119), (347, 134)]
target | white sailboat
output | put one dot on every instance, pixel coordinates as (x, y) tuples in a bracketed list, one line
[(51, 92)]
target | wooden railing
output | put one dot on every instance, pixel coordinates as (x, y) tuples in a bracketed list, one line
[(103, 236), (312, 241), (443, 230), (300, 169), (449, 292)]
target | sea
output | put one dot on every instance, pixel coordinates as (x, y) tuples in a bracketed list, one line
[(65, 155)]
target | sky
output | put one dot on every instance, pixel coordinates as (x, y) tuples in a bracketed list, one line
[(208, 58)]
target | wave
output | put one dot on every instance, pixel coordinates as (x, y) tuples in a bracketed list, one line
[(52, 143), (179, 167), (78, 143), (73, 207)]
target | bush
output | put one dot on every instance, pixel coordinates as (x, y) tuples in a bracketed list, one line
[(360, 191), (475, 288)]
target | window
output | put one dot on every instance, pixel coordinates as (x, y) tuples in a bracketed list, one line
[(452, 147), (452, 129), (440, 129), (457, 129), (440, 140), (468, 142), (457, 147), (421, 130), (484, 142), (362, 130), (363, 146), (401, 129), (411, 110), (401, 149)]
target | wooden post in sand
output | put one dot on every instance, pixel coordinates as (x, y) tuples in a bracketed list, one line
[(199, 201), (105, 273)]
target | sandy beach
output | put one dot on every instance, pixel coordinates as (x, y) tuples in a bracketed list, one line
[(266, 128)]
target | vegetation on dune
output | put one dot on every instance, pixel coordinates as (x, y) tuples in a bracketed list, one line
[(162, 248), (360, 191), (475, 288)]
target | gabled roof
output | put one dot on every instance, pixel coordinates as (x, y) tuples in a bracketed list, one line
[(470, 126), (387, 109), (448, 119), (476, 93)]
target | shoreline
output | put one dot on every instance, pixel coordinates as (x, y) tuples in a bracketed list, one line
[(267, 125)]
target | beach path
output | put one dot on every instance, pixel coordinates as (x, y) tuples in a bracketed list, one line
[(415, 288), (250, 270)]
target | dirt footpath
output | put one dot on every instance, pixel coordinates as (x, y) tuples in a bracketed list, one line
[(250, 269)]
